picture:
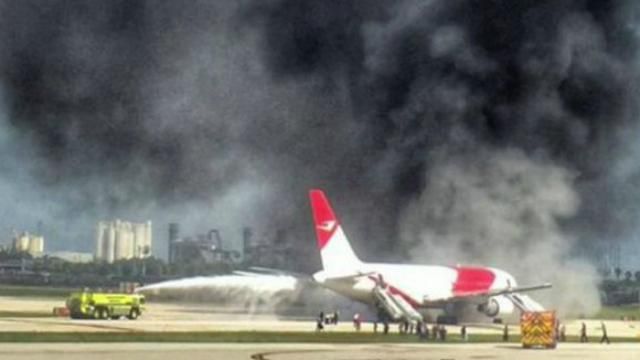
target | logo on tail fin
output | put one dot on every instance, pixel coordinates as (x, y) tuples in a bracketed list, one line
[(335, 250), (323, 216), (327, 226)]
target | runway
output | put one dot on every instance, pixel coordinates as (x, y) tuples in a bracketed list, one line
[(213, 323), (161, 317), (310, 351)]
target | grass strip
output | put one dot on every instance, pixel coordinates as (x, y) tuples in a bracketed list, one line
[(245, 337), (35, 291), (25, 314), (617, 312)]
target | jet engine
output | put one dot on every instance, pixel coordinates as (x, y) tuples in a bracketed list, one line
[(497, 305)]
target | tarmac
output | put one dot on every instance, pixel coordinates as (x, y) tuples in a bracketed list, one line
[(142, 351), (160, 317)]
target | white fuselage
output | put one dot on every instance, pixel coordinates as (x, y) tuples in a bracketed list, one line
[(425, 285)]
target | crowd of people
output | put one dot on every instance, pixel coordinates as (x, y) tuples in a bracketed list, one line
[(439, 331), (327, 319), (421, 329)]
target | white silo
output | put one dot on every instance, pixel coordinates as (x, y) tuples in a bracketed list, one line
[(142, 235), (110, 243), (100, 243), (124, 243), (148, 238), (21, 242), (36, 245)]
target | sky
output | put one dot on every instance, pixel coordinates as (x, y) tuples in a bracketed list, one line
[(443, 131)]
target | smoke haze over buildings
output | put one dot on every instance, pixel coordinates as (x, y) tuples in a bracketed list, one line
[(452, 127)]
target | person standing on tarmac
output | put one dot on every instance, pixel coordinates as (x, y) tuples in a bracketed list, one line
[(583, 333), (424, 331), (319, 323), (604, 334), (505, 333), (463, 333), (356, 321), (443, 333)]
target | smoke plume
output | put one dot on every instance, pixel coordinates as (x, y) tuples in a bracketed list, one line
[(471, 130), (504, 209)]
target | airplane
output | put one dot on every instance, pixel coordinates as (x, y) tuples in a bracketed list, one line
[(405, 292)]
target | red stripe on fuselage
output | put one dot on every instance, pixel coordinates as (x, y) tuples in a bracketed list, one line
[(472, 279)]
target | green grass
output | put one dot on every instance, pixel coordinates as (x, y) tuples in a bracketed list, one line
[(35, 291), (244, 337), (25, 314), (617, 312)]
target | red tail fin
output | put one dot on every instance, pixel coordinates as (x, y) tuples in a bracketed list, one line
[(323, 216), (334, 246)]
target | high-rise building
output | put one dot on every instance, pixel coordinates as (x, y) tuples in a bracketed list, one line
[(118, 239), (29, 243), (174, 236)]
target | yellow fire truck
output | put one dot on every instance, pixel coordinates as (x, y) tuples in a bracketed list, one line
[(91, 305)]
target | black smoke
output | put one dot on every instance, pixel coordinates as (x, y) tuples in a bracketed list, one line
[(140, 107)]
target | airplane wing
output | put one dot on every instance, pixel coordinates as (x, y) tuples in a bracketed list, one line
[(324, 276), (321, 276), (260, 271), (514, 294), (271, 271), (482, 295)]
